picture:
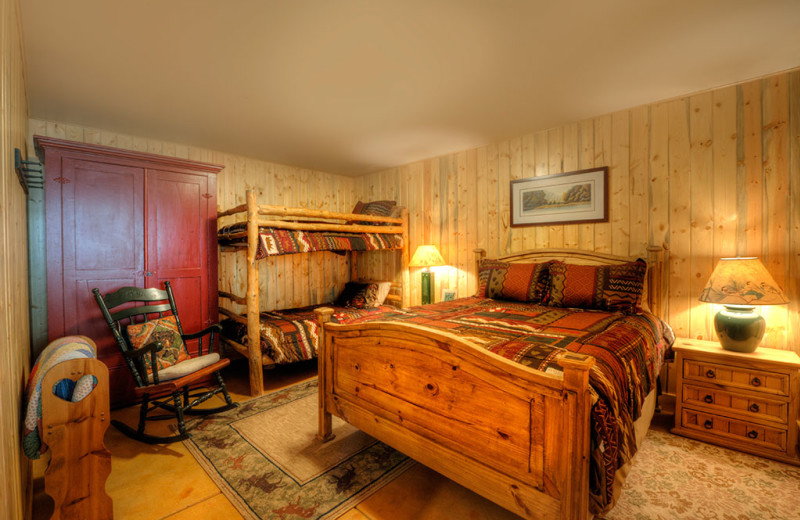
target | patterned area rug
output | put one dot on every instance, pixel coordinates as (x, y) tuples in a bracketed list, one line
[(265, 458), (675, 478)]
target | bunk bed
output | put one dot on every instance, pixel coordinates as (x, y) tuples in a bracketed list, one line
[(510, 398), (264, 230)]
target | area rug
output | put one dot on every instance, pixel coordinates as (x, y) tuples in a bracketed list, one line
[(675, 478), (266, 459)]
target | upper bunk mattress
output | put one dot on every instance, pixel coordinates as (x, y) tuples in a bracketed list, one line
[(275, 241)]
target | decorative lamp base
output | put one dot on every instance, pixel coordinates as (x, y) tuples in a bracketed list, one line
[(739, 328), (427, 284)]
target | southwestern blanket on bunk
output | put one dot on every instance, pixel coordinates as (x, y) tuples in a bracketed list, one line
[(292, 335), (629, 351), (274, 241)]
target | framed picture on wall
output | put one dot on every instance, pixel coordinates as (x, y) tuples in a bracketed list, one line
[(564, 198), (448, 295)]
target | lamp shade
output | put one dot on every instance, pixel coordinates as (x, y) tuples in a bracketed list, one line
[(742, 281), (426, 256)]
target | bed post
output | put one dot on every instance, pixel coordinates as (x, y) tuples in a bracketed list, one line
[(324, 362), (480, 254), (253, 325), (406, 295), (575, 503)]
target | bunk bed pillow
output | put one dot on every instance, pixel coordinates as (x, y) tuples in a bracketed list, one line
[(381, 208), (359, 296), (522, 282), (603, 287), (164, 330)]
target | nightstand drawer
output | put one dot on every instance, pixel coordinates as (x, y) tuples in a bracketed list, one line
[(722, 401), (775, 383), (743, 431)]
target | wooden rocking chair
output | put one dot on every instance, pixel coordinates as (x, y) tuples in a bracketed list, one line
[(159, 360)]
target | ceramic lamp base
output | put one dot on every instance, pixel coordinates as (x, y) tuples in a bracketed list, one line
[(739, 328)]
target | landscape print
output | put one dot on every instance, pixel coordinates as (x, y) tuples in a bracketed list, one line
[(579, 196), (568, 196)]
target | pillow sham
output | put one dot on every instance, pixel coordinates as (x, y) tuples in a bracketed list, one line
[(522, 282), (603, 287), (164, 330), (360, 295), (382, 208)]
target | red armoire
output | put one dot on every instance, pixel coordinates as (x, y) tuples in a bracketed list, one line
[(119, 218)]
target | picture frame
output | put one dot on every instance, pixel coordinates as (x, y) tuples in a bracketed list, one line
[(448, 295), (577, 197)]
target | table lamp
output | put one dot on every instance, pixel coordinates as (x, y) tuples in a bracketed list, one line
[(740, 284), (426, 256)]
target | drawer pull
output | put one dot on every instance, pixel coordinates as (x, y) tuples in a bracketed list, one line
[(752, 434), (710, 374), (708, 399), (754, 408), (755, 381), (708, 424)]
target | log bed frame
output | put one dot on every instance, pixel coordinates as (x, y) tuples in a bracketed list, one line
[(517, 436), (312, 220)]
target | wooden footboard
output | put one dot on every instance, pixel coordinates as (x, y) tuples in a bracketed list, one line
[(517, 436)]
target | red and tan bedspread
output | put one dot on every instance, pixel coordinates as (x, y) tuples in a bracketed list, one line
[(629, 351), (274, 241), (291, 335)]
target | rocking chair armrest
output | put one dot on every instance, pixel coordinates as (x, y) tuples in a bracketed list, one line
[(212, 330)]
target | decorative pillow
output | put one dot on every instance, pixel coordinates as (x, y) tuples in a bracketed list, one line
[(603, 287), (382, 208), (512, 281), (359, 296), (164, 330)]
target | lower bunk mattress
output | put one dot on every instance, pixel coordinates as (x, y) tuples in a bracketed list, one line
[(629, 350), (292, 335)]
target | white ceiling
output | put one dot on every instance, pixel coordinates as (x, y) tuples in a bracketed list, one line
[(354, 86)]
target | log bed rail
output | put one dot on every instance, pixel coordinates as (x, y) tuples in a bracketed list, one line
[(517, 436), (299, 219)]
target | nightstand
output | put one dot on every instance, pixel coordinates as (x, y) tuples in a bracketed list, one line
[(746, 402)]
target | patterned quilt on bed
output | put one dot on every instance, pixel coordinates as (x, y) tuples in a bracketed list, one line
[(629, 351), (291, 335), (274, 241)]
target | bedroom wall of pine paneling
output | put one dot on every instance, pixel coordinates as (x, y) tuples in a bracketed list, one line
[(709, 175), (15, 360), (286, 281)]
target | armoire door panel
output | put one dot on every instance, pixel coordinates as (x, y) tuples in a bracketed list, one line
[(105, 216), (100, 209), (177, 214), (177, 240)]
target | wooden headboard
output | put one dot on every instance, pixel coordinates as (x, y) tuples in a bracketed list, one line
[(653, 288)]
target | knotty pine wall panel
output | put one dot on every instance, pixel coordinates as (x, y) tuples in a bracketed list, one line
[(708, 175), (285, 281), (15, 351)]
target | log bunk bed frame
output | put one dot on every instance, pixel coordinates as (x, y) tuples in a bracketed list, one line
[(312, 220), (517, 436)]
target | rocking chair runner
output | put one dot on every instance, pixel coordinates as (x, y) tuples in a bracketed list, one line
[(156, 383)]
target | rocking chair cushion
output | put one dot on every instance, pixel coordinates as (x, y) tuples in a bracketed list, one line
[(189, 366), (164, 330)]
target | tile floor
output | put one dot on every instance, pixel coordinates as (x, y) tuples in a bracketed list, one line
[(143, 475)]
